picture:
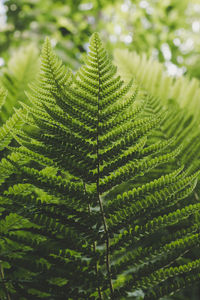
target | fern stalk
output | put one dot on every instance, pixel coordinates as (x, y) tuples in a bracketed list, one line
[(94, 250), (98, 189), (3, 283)]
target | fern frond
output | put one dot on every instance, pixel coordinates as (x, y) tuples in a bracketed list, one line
[(150, 72), (3, 95), (98, 182), (21, 70)]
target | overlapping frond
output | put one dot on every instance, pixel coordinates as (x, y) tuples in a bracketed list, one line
[(152, 76), (179, 98), (17, 75)]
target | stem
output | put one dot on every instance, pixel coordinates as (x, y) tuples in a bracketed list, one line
[(94, 250), (96, 269), (100, 200), (3, 283), (107, 246)]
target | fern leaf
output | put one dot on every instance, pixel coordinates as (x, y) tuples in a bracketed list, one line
[(106, 207)]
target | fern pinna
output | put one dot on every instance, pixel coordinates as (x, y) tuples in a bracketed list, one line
[(97, 220)]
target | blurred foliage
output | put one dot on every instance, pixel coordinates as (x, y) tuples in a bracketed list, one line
[(167, 30), (68, 23)]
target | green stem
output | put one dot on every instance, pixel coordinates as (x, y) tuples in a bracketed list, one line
[(107, 241), (94, 250), (3, 283)]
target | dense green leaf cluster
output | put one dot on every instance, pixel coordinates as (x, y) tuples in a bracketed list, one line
[(96, 202)]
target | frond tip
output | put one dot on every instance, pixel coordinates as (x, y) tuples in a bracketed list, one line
[(95, 39)]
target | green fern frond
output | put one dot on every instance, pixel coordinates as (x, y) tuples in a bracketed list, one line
[(3, 95), (152, 76), (21, 71), (179, 98), (100, 189)]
